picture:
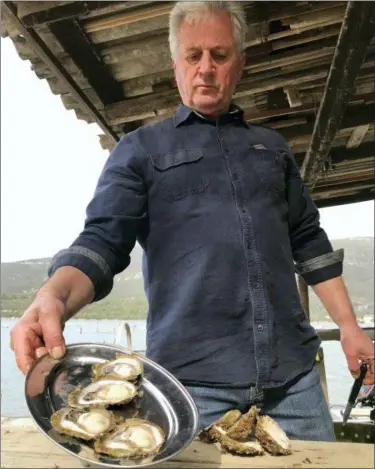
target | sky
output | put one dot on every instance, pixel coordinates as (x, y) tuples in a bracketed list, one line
[(50, 163)]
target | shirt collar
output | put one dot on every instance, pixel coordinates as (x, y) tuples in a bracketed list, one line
[(184, 112)]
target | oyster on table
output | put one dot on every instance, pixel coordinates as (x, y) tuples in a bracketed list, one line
[(86, 424), (272, 436), (125, 366), (208, 434), (233, 432), (135, 438), (103, 392), (247, 434)]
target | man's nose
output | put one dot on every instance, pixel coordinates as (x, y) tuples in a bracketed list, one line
[(206, 65)]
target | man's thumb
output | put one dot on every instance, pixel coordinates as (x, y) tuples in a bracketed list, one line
[(53, 336), (354, 366)]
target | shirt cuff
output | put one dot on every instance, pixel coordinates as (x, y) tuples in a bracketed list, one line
[(90, 263), (321, 268)]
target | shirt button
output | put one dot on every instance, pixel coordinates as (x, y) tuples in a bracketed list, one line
[(235, 176), (243, 210), (260, 327), (256, 285)]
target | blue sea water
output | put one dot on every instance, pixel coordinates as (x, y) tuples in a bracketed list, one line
[(108, 331)]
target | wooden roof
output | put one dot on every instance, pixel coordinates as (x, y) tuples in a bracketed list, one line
[(309, 74)]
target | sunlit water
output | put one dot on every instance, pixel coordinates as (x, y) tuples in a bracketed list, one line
[(106, 331)]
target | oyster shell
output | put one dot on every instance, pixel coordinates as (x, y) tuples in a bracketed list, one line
[(245, 447), (226, 421), (135, 438), (128, 367), (271, 436), (86, 424), (103, 392), (243, 427)]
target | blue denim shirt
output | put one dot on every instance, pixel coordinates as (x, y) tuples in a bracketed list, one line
[(225, 222)]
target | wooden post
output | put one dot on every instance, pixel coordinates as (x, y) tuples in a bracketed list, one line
[(303, 289), (304, 295)]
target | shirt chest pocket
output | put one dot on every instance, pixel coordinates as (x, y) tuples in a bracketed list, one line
[(270, 168), (179, 174)]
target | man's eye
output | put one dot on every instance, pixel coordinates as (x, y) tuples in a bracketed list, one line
[(193, 57), (219, 57)]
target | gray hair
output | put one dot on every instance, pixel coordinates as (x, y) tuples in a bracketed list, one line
[(191, 10)]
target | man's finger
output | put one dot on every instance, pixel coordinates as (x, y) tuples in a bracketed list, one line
[(40, 351), (52, 334), (23, 350)]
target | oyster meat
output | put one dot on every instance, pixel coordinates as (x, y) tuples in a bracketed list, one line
[(86, 424), (128, 367), (103, 392), (134, 438), (271, 436)]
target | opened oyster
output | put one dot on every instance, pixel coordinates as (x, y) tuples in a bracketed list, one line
[(243, 427), (86, 424), (233, 431), (135, 438), (247, 446), (247, 434), (272, 436), (127, 367), (208, 434), (103, 393)]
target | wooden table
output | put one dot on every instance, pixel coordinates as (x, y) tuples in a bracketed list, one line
[(23, 445)]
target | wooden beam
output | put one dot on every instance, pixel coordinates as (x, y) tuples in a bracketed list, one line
[(165, 103), (342, 153), (45, 54), (361, 196), (38, 13), (357, 136), (303, 289), (357, 30), (354, 116), (78, 47)]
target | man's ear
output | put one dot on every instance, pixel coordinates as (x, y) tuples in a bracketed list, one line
[(242, 65), (174, 65)]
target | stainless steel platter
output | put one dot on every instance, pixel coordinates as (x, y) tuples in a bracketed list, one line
[(163, 401)]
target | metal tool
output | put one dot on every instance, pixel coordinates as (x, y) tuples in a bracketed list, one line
[(354, 392)]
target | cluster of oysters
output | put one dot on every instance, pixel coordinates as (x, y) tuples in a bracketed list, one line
[(250, 434), (91, 416)]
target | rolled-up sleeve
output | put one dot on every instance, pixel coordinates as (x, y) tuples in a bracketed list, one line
[(113, 220), (315, 259)]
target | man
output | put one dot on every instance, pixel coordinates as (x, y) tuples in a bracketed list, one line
[(224, 219)]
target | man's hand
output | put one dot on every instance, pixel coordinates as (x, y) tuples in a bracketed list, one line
[(39, 331), (358, 347)]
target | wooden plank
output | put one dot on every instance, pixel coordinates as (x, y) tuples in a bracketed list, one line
[(315, 17), (293, 97), (120, 19), (24, 446), (357, 136)]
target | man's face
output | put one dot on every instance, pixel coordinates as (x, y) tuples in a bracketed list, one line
[(207, 66)]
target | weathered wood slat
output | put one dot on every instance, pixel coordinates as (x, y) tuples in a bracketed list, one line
[(357, 136), (24, 446)]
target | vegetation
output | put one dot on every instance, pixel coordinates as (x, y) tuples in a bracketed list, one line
[(20, 281)]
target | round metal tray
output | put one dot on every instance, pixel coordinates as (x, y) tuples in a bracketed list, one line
[(163, 401)]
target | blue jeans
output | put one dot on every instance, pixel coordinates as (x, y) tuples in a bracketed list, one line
[(299, 407)]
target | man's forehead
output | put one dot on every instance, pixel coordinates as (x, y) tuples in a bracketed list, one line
[(205, 45)]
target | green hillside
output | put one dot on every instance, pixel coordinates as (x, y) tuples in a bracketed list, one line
[(20, 281)]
